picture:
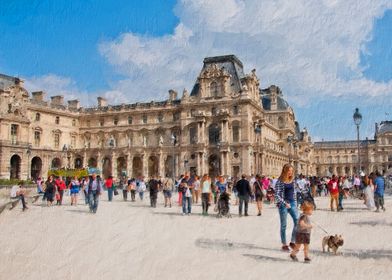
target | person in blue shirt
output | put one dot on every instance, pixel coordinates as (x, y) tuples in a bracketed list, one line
[(379, 187), (286, 201), (221, 185)]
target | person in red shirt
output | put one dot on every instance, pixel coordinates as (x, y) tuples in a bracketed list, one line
[(60, 185), (109, 186), (333, 189)]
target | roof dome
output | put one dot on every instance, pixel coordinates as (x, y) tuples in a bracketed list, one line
[(385, 126)]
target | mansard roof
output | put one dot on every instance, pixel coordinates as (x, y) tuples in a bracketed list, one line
[(231, 64), (385, 127), (8, 81), (343, 144), (265, 96)]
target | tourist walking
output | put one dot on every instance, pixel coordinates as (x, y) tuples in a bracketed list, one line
[(369, 191), (285, 198), (124, 187), (94, 191), (333, 189), (109, 186), (341, 193), (85, 184), (141, 187), (60, 185), (132, 187), (168, 185), (259, 194), (205, 194), (185, 188), (244, 193), (50, 190), (196, 190), (74, 187), (154, 186), (379, 187)]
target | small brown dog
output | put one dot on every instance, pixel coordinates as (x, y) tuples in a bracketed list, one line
[(333, 242)]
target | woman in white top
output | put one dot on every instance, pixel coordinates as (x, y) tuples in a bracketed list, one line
[(205, 193), (196, 190)]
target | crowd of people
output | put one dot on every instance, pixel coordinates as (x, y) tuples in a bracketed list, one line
[(287, 192)]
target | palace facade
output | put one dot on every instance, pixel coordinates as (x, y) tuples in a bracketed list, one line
[(225, 125)]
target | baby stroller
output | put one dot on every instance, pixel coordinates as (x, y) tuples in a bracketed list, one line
[(223, 207), (270, 195), (305, 195)]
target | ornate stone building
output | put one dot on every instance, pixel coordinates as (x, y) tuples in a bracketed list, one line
[(225, 125), (341, 157)]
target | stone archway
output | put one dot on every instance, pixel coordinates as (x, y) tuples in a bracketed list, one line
[(78, 163), (213, 165), (36, 167), (15, 162), (137, 167), (107, 167), (56, 163), (121, 167), (169, 167), (153, 166), (92, 163)]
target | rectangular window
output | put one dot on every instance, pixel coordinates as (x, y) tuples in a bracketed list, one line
[(57, 121), (101, 122), (144, 118), (88, 123), (73, 122), (236, 133), (37, 138), (115, 121), (37, 117), (176, 116), (129, 120), (73, 142), (56, 140), (160, 118), (14, 133), (235, 110)]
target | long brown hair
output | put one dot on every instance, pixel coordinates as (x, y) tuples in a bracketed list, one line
[(283, 176)]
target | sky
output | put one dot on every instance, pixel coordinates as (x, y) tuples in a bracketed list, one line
[(327, 56)]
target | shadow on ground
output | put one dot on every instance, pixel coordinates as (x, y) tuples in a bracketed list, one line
[(222, 244)]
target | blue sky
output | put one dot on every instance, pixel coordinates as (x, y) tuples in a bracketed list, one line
[(328, 56)]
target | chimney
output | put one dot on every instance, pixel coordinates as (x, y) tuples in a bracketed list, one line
[(38, 96), (57, 100), (102, 102), (73, 104), (172, 95)]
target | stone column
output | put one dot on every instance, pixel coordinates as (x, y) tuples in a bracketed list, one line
[(161, 169), (114, 165), (99, 163), (84, 160), (145, 165), (222, 164), (129, 165)]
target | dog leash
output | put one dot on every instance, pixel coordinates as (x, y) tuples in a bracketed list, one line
[(321, 228)]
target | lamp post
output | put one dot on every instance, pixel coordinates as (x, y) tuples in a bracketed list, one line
[(218, 145), (174, 141), (357, 120), (258, 133)]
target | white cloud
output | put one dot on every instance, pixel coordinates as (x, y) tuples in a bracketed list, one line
[(53, 85), (311, 49)]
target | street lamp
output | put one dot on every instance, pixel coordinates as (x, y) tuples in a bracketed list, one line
[(174, 141), (258, 133), (357, 120)]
